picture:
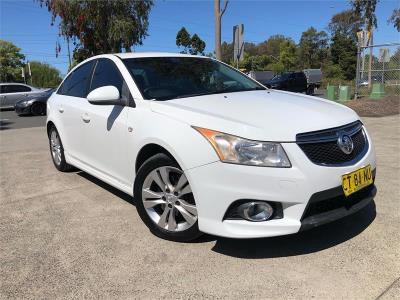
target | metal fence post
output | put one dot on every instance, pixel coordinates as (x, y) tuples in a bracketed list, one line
[(357, 71)]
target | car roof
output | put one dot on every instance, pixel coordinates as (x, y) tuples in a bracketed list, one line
[(14, 83), (154, 54)]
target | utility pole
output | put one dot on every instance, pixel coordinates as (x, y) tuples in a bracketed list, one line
[(29, 71), (218, 13)]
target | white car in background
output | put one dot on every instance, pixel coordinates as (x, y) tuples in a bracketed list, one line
[(204, 148)]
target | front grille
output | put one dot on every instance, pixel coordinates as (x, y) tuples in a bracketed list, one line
[(335, 203), (321, 147)]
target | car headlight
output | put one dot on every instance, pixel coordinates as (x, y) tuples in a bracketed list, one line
[(27, 102), (236, 150)]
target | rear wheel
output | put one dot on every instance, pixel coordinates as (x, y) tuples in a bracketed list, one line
[(38, 109), (310, 90), (165, 201), (57, 151)]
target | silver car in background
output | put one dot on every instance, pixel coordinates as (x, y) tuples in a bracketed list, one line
[(11, 93)]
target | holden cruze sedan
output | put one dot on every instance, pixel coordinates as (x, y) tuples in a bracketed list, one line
[(204, 148)]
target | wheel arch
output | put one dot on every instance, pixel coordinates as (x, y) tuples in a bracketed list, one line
[(148, 151), (48, 126)]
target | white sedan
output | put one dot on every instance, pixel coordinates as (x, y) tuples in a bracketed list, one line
[(204, 148)]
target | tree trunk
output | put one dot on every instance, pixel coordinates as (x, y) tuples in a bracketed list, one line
[(217, 19)]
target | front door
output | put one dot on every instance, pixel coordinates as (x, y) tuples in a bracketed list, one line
[(107, 130)]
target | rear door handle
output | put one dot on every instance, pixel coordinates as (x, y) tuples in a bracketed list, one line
[(86, 118), (61, 110)]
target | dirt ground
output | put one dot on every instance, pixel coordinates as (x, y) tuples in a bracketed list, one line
[(365, 107), (68, 235)]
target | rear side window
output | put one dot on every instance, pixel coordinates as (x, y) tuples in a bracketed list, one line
[(15, 88), (106, 73), (77, 82)]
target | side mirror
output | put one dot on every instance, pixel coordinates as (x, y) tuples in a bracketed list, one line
[(105, 95)]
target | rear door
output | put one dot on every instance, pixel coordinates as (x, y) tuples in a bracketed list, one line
[(107, 130), (291, 83), (13, 93), (71, 105), (301, 82)]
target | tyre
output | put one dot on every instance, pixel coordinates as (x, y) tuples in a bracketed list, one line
[(310, 90), (164, 200), (38, 109), (57, 151)]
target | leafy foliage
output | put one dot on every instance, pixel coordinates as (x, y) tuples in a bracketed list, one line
[(313, 48), (272, 46), (11, 62), (288, 55), (98, 26), (365, 11), (193, 45), (344, 55), (254, 62), (43, 75), (395, 19), (346, 23)]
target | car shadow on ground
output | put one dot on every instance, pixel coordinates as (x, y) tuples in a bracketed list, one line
[(4, 125), (107, 187), (306, 242)]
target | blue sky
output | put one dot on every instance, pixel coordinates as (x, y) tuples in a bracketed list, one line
[(27, 25)]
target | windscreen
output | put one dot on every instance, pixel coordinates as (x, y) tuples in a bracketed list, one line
[(165, 78)]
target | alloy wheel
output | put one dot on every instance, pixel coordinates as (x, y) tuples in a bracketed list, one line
[(55, 145), (168, 199)]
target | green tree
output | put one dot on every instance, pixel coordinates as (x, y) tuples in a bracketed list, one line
[(193, 45), (11, 62), (98, 26), (344, 54), (395, 19), (288, 55), (272, 46), (255, 62), (313, 48), (346, 23), (227, 52), (183, 40), (197, 45), (43, 75), (365, 11)]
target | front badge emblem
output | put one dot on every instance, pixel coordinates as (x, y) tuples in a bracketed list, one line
[(345, 143)]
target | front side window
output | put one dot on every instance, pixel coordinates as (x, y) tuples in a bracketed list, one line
[(164, 78), (106, 73), (77, 83)]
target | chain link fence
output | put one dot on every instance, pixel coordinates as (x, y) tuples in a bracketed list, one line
[(381, 73)]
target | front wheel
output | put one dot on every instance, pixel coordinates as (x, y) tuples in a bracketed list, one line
[(165, 201), (38, 109)]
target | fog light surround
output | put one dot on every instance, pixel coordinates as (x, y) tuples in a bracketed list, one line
[(255, 211)]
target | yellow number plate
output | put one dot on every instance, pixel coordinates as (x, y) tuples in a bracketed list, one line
[(355, 181)]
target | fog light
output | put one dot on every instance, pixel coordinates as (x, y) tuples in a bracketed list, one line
[(256, 211)]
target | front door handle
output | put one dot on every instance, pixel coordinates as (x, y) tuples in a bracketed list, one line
[(85, 118), (61, 109)]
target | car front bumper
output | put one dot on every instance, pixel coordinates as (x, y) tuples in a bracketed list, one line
[(217, 185), (22, 109)]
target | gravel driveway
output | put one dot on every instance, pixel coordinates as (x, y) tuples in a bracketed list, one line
[(72, 236)]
